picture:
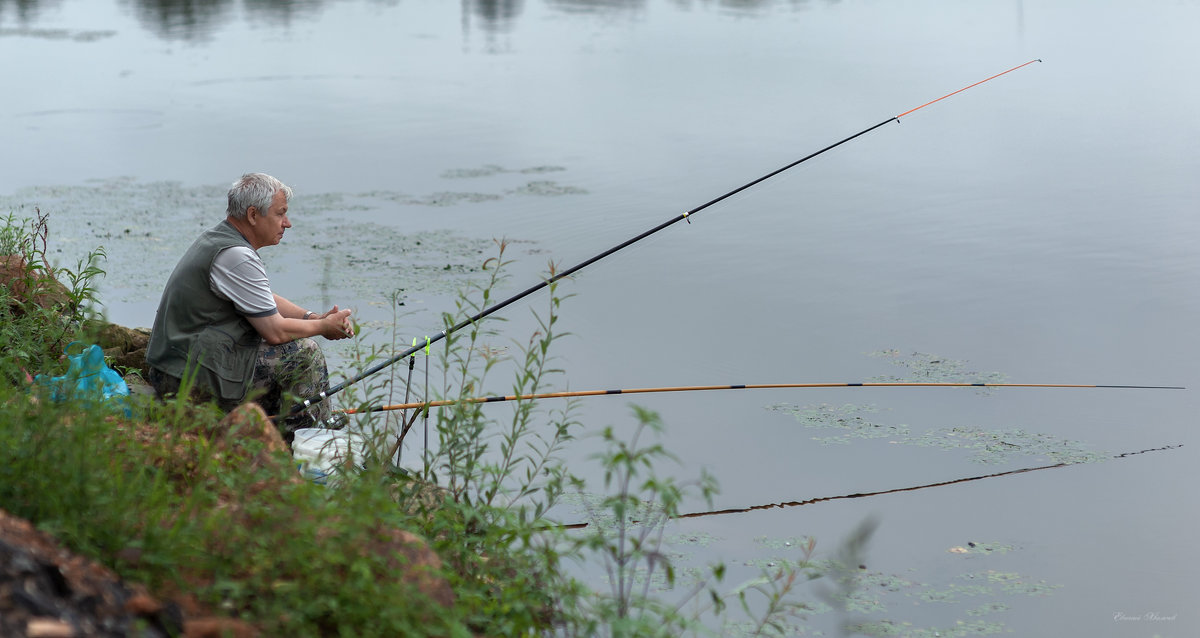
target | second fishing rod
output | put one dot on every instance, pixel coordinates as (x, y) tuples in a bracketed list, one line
[(429, 340)]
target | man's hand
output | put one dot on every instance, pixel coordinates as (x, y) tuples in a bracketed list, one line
[(336, 324)]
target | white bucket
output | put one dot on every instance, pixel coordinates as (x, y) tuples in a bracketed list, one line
[(322, 453)]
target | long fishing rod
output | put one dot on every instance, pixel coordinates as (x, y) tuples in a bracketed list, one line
[(895, 490), (748, 386), (633, 240)]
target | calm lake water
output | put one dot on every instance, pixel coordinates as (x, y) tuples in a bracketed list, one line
[(1039, 228)]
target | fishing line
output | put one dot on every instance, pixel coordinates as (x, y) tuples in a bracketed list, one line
[(749, 386), (822, 499), (633, 240)]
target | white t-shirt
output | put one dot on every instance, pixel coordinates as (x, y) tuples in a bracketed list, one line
[(239, 275)]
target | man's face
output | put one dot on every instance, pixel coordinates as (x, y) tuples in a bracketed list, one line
[(270, 225)]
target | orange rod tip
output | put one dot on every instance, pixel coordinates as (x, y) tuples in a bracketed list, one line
[(965, 88)]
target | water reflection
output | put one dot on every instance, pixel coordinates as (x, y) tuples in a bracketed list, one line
[(25, 11), (496, 16), (281, 12), (196, 19), (182, 19), (596, 6)]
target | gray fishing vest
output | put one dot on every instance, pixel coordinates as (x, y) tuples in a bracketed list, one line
[(194, 328)]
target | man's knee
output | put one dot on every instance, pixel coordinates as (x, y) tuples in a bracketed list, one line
[(310, 352)]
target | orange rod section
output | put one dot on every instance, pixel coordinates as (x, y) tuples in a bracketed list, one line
[(965, 88)]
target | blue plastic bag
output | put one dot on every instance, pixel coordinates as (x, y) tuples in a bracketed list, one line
[(88, 379)]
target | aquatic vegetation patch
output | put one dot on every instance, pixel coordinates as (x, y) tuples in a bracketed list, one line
[(998, 446), (774, 562), (487, 170), (372, 260), (448, 198), (989, 608), (847, 421), (779, 628), (546, 188), (799, 543), (792, 553), (983, 593), (907, 630), (145, 226), (678, 549), (538, 188), (697, 539), (592, 506), (988, 447), (75, 35), (362, 256), (878, 602), (953, 593), (982, 548), (142, 227), (931, 368)]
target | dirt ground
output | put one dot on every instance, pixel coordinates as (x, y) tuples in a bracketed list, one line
[(49, 592)]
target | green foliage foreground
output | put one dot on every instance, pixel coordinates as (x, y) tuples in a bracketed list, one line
[(170, 499)]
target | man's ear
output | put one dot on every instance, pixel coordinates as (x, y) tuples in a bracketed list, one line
[(251, 213)]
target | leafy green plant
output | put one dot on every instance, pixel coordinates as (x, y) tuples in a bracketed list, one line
[(495, 482), (776, 589), (627, 528), (38, 313)]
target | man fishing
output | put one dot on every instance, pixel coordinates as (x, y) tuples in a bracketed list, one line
[(219, 321)]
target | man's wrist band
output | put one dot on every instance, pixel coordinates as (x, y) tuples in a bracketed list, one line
[(308, 313)]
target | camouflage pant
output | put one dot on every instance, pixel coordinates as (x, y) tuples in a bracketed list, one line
[(283, 375), (289, 373)]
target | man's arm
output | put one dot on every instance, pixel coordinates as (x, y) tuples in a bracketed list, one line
[(289, 324), (292, 311), (288, 309)]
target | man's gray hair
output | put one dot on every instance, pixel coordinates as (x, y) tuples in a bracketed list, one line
[(257, 190)]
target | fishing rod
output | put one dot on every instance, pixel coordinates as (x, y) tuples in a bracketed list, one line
[(748, 386), (895, 490), (685, 216)]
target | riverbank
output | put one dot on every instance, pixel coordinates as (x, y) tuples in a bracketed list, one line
[(172, 520)]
